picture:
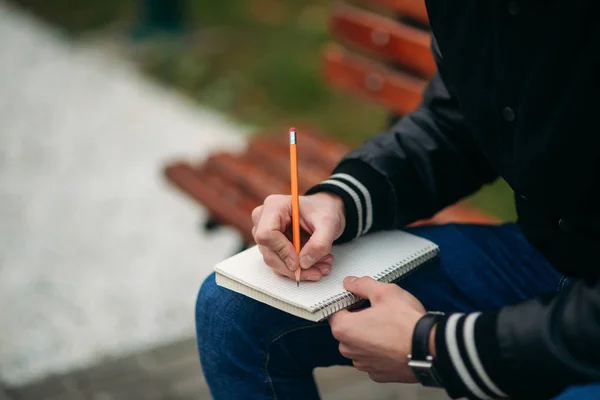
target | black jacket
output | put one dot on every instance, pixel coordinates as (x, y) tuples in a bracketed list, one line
[(516, 96)]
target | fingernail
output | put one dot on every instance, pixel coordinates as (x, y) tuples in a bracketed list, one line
[(351, 278), (325, 269), (328, 259), (313, 277), (307, 261), (290, 264)]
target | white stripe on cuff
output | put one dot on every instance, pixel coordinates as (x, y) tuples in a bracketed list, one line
[(366, 194), (457, 360), (354, 196), (469, 336)]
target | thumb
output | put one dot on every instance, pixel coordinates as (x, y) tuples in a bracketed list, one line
[(317, 247), (365, 287)]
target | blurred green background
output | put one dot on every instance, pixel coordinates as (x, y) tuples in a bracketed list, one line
[(257, 61)]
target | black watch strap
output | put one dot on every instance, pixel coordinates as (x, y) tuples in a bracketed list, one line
[(420, 339), (421, 361)]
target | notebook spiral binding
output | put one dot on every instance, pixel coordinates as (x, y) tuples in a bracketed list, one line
[(401, 269)]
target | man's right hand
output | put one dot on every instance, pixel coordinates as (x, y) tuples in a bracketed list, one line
[(322, 220)]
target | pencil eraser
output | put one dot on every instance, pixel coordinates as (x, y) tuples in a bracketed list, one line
[(292, 135)]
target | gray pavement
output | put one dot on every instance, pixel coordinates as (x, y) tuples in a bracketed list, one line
[(99, 256), (173, 372)]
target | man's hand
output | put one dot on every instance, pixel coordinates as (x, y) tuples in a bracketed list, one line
[(322, 220), (378, 339)]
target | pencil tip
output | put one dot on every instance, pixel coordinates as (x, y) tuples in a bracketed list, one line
[(297, 284)]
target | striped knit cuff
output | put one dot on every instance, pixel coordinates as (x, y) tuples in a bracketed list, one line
[(467, 356), (367, 197)]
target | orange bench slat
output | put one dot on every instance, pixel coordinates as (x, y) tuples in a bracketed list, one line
[(250, 177), (395, 90), (224, 201), (276, 159), (392, 40), (313, 146)]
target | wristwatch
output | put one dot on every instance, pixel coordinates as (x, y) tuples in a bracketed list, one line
[(420, 360)]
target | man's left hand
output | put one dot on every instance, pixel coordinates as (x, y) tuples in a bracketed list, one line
[(378, 339)]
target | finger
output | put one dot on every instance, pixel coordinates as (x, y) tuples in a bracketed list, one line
[(375, 377), (328, 259), (268, 234), (365, 287), (359, 366), (256, 213), (338, 316), (282, 270), (336, 319), (339, 326), (345, 350), (272, 259), (278, 266), (318, 246), (311, 274), (355, 354), (324, 268)]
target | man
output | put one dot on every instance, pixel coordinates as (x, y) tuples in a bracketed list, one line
[(516, 97)]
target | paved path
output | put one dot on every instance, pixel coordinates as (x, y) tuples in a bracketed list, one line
[(98, 255), (172, 372)]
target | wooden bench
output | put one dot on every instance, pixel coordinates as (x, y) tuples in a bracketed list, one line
[(384, 60)]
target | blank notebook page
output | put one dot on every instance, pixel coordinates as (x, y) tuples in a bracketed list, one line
[(371, 255)]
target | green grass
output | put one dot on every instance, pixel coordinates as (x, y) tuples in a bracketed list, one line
[(255, 60)]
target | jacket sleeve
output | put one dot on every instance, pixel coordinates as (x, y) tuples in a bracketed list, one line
[(533, 350), (423, 163)]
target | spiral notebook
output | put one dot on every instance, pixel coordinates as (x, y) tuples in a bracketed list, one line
[(385, 256)]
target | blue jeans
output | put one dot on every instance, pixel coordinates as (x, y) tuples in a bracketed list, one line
[(249, 350)]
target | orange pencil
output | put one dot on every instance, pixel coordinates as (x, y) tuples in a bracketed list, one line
[(295, 198)]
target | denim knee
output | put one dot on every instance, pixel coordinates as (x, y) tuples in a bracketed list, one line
[(225, 321), (230, 332), (211, 326), (208, 308)]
